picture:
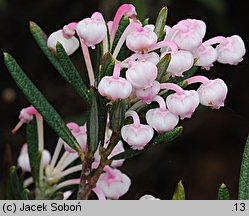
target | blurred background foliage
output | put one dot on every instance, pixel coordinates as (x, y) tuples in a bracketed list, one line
[(210, 149)]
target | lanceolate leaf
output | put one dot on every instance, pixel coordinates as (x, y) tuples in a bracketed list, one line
[(191, 72), (160, 23), (162, 66), (117, 115), (223, 193), (166, 137), (36, 98), (41, 39), (244, 174), (93, 125), (179, 193), (124, 50), (32, 140), (71, 72), (15, 185), (107, 66), (26, 194)]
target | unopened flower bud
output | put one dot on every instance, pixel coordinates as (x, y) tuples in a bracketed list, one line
[(92, 30), (69, 44)]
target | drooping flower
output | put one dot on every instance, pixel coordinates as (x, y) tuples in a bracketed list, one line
[(136, 135), (70, 44), (161, 119), (113, 183), (115, 87), (92, 30), (23, 158)]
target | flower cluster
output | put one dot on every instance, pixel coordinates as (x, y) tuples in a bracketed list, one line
[(137, 79)]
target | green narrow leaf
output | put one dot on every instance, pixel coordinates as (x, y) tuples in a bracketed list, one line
[(117, 115), (166, 137), (124, 51), (223, 193), (179, 193), (36, 98), (146, 22), (72, 75), (32, 140), (244, 174), (107, 66), (15, 185), (26, 194), (41, 39), (102, 115), (160, 23), (162, 66), (93, 125)]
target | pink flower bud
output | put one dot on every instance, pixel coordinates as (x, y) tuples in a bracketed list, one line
[(161, 119), (205, 55), (184, 104), (67, 194), (26, 114), (141, 40), (188, 34), (148, 93), (80, 134), (115, 87), (231, 51), (213, 93), (23, 158), (136, 135), (141, 74), (148, 197), (92, 30), (180, 62), (69, 44), (113, 183)]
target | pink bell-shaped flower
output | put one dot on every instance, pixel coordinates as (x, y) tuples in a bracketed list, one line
[(148, 197), (161, 119), (187, 34), (141, 40), (23, 158), (92, 30), (80, 134), (182, 103), (115, 87), (180, 62), (211, 92), (232, 51), (148, 93), (70, 44), (113, 183), (136, 135), (141, 74), (206, 56)]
